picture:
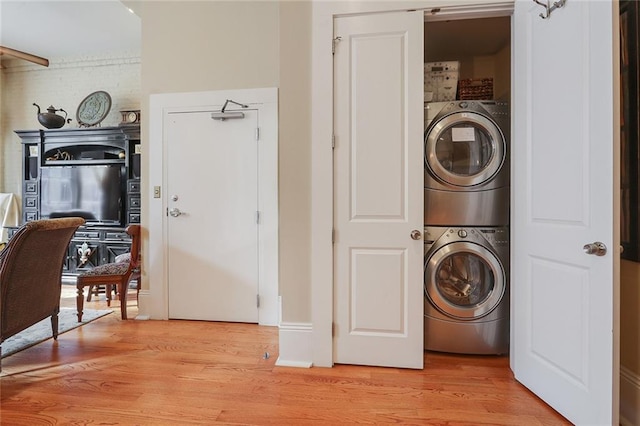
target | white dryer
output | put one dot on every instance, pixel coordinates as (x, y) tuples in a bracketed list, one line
[(466, 181), (466, 307)]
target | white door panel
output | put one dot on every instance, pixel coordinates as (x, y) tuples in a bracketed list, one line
[(562, 344), (378, 171), (212, 246)]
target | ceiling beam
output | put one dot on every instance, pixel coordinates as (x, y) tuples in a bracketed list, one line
[(22, 55)]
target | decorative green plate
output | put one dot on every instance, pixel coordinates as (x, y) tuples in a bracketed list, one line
[(93, 109)]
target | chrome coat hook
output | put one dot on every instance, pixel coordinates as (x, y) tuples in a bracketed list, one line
[(550, 8)]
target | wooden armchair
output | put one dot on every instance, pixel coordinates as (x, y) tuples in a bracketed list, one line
[(113, 274), (31, 274)]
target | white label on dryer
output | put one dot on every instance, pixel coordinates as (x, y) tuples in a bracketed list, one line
[(463, 134)]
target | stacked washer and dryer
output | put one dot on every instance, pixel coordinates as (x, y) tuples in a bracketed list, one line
[(466, 231)]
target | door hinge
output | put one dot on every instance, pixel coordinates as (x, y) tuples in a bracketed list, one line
[(257, 300), (258, 217), (333, 329), (333, 141), (333, 44), (257, 133), (333, 236)]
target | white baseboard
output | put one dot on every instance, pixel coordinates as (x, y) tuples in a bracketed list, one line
[(144, 298), (295, 346), (629, 397)]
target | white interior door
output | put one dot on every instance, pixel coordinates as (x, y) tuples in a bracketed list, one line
[(212, 231), (378, 177), (562, 341)]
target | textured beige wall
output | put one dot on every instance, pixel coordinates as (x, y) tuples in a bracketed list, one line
[(201, 46), (295, 160), (214, 45), (630, 315)]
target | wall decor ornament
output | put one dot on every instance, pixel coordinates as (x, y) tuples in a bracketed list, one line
[(130, 117), (93, 109)]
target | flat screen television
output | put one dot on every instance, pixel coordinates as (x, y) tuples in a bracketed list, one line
[(93, 192)]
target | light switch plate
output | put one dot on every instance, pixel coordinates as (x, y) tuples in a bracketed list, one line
[(156, 192)]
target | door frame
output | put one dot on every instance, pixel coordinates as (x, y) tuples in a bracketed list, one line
[(154, 303), (322, 197)]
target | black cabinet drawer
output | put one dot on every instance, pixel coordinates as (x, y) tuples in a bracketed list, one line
[(134, 202), (31, 187), (11, 232), (119, 236), (31, 202), (87, 234), (134, 186)]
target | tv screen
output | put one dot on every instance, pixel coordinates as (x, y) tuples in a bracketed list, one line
[(90, 191)]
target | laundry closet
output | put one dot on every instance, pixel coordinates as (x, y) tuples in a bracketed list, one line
[(398, 195), (467, 113)]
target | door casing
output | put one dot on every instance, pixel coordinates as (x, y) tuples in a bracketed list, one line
[(322, 130), (154, 300)]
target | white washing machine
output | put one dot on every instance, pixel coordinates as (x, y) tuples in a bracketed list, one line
[(466, 288), (466, 149)]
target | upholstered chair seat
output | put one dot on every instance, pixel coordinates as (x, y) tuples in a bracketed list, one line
[(109, 269)]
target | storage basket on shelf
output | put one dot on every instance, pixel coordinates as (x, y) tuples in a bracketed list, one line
[(475, 88)]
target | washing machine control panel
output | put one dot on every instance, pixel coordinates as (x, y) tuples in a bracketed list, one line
[(497, 236)]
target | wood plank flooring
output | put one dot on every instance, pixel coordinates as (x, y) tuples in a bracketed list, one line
[(200, 373)]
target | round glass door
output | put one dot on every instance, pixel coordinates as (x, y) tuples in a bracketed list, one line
[(464, 280), (464, 149)]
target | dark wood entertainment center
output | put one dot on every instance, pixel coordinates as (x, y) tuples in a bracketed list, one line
[(99, 243)]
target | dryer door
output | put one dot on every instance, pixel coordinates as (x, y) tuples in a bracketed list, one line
[(464, 149), (464, 280)]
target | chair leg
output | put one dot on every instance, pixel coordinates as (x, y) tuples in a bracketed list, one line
[(80, 301), (122, 289), (107, 291), (54, 324)]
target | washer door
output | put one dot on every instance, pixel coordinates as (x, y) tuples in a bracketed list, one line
[(464, 280), (464, 149)]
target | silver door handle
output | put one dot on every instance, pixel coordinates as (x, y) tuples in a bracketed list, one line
[(597, 248), (416, 235), (174, 212)]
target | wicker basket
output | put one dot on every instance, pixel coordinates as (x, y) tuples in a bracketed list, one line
[(475, 88)]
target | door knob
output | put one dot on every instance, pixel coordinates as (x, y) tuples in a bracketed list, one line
[(597, 248), (416, 235), (174, 212)]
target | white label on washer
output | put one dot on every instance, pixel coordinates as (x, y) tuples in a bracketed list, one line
[(463, 134)]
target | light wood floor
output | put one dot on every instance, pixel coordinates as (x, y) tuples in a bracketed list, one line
[(200, 373)]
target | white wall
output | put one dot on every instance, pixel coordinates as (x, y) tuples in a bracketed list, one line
[(64, 84), (221, 45)]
